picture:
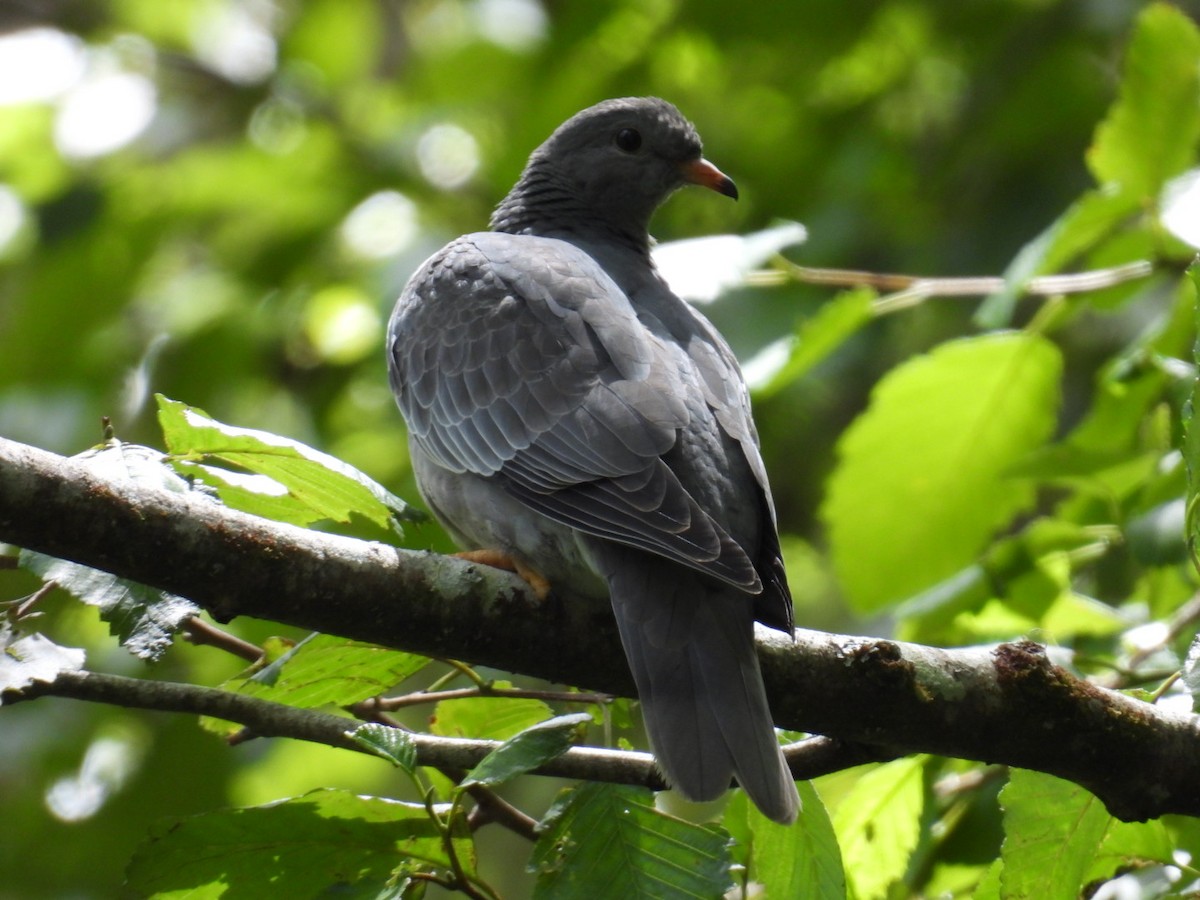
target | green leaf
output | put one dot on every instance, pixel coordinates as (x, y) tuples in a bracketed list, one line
[(989, 885), (496, 718), (528, 750), (324, 669), (1131, 845), (1180, 206), (33, 658), (923, 476), (819, 336), (1157, 536), (143, 618), (302, 485), (878, 824), (325, 843), (1088, 220), (1150, 133), (1052, 832), (393, 744), (604, 842), (1191, 430), (799, 860)]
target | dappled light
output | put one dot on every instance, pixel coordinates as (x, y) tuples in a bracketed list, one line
[(959, 279)]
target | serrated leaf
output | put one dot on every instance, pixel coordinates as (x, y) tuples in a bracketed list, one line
[(604, 842), (1150, 133), (143, 618), (33, 658), (878, 824), (256, 494), (922, 481), (325, 843), (316, 486), (528, 750), (816, 338), (393, 744), (1052, 832), (134, 463), (799, 860), (324, 669), (495, 718)]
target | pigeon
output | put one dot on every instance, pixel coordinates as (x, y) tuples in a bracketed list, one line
[(569, 414)]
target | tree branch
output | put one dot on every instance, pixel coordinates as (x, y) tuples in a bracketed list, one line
[(1006, 704), (269, 719)]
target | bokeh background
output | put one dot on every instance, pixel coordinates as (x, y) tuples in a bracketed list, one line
[(219, 200)]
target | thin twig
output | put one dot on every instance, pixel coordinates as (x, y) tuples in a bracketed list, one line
[(419, 697), (1181, 620), (200, 632), (462, 881), (457, 668), (489, 806), (908, 288), (265, 718), (23, 607)]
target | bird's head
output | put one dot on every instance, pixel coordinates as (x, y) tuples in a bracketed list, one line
[(615, 163)]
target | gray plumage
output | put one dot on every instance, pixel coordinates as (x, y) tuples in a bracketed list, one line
[(566, 408)]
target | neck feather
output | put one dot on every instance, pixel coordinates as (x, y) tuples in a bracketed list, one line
[(545, 205)]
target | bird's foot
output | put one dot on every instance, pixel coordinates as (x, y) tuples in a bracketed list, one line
[(498, 559)]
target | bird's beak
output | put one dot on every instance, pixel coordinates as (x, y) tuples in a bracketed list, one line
[(705, 174)]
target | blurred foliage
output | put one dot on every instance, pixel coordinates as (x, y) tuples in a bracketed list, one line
[(218, 201)]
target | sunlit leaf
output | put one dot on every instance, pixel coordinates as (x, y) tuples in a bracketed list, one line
[(1191, 671), (603, 842), (1129, 845), (32, 658), (1181, 207), (817, 338), (528, 750), (393, 744), (1053, 831), (143, 618), (798, 860), (1087, 221), (497, 718), (878, 824), (923, 478), (1150, 133), (314, 485), (701, 269), (324, 669)]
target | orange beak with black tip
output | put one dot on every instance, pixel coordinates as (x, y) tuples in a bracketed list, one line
[(705, 174)]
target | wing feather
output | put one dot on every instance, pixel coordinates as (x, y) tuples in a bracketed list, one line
[(525, 362)]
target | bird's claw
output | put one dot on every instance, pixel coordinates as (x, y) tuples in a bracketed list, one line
[(498, 559)]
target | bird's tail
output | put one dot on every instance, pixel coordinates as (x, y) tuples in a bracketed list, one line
[(690, 644)]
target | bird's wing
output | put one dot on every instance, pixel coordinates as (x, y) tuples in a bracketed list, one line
[(726, 394), (517, 358)]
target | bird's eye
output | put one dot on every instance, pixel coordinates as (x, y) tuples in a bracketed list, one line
[(629, 140)]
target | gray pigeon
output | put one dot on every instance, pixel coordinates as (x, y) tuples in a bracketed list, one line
[(565, 408)]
